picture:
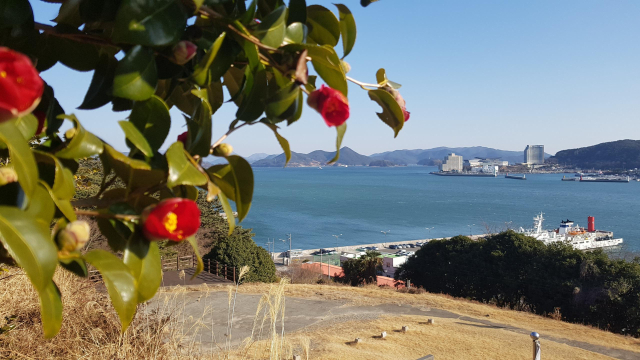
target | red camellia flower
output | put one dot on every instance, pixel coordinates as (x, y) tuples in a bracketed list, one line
[(331, 104), (183, 137), (174, 219), (20, 85)]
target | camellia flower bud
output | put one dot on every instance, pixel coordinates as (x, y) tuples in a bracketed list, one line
[(7, 175), (184, 51), (20, 85), (74, 236), (331, 104), (222, 150), (69, 134), (183, 137), (174, 219)]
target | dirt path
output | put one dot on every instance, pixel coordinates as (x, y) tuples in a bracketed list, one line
[(211, 311)]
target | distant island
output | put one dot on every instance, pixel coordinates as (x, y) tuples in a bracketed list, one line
[(349, 157), (614, 155), (382, 163)]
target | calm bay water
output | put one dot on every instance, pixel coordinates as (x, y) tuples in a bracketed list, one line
[(361, 202)]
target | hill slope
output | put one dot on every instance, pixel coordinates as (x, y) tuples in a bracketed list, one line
[(315, 158), (410, 157), (621, 154)]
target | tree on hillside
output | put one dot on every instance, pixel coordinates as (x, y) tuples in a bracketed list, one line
[(363, 270), (239, 250), (520, 272)]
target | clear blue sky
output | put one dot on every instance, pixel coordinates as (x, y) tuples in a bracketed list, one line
[(475, 73)]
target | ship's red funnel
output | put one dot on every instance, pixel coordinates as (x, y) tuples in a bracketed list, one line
[(592, 224)]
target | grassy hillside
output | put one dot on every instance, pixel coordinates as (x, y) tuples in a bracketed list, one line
[(621, 154)]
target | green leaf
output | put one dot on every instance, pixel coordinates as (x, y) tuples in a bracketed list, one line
[(341, 130), (250, 14), (150, 22), (229, 211), (181, 170), (234, 81), (63, 182), (283, 104), (324, 25), (283, 142), (50, 310), (381, 77), (199, 142), (253, 105), (22, 158), (29, 243), (143, 258), (297, 11), (83, 144), (200, 266), (326, 63), (236, 182), (43, 209), (64, 205), (296, 33), (136, 75), (272, 28), (99, 93), (298, 113), (75, 265), (347, 29), (134, 173), (120, 282), (391, 112), (28, 125), (152, 119), (366, 3), (136, 138), (201, 73)]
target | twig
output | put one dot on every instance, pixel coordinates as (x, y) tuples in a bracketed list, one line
[(362, 84), (214, 15), (108, 216), (219, 141), (79, 37)]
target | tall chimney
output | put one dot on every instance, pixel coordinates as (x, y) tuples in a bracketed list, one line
[(592, 224)]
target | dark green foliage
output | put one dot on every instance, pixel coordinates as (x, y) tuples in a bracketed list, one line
[(363, 270), (238, 250), (519, 272), (382, 163), (615, 155), (318, 157)]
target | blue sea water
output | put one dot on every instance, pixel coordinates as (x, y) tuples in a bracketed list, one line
[(361, 202)]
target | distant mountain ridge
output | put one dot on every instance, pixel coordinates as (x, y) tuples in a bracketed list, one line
[(422, 156), (315, 158), (614, 155)]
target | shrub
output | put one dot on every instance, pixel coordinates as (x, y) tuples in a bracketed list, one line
[(238, 250), (520, 272)]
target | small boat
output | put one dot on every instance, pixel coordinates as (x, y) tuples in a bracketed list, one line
[(564, 178), (515, 177), (618, 179)]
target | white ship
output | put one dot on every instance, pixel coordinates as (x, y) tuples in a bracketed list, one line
[(571, 233)]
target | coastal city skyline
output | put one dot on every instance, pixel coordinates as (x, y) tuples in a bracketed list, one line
[(486, 70)]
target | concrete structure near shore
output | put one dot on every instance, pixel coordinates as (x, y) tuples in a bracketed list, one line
[(534, 155), (452, 162)]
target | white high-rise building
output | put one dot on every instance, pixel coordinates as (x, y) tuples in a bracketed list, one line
[(534, 154), (452, 162)]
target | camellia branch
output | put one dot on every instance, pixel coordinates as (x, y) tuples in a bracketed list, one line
[(214, 15), (363, 85), (223, 137), (108, 216)]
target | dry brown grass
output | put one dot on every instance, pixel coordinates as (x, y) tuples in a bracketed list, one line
[(446, 339), (372, 295), (90, 328)]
